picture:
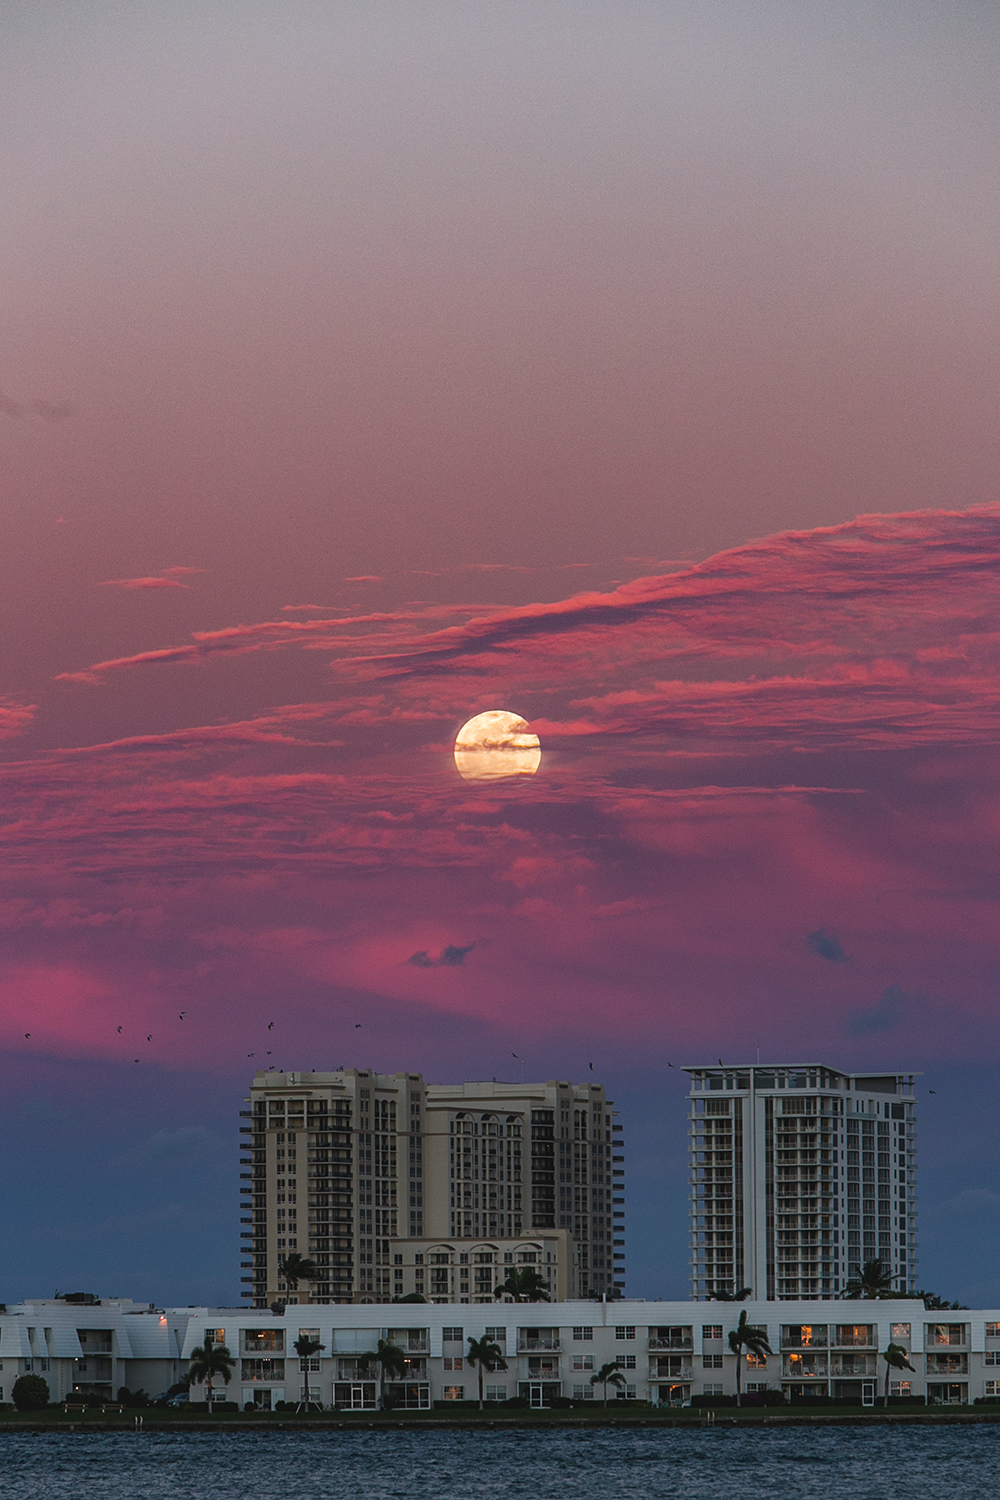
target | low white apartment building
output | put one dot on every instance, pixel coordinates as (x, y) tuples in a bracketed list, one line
[(668, 1352)]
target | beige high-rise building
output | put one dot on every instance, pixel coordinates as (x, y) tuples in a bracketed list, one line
[(392, 1185)]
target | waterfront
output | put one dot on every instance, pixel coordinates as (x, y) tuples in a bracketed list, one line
[(888, 1463)]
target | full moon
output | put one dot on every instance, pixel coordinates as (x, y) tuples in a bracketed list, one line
[(496, 744)]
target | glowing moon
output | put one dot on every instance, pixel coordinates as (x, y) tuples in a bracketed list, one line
[(496, 744)]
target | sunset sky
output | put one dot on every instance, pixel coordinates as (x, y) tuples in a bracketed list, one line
[(633, 367)]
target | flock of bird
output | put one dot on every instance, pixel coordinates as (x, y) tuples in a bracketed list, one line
[(183, 1013)]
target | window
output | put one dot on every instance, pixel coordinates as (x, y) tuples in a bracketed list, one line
[(900, 1388), (712, 1362), (993, 1330), (992, 1388), (452, 1335), (496, 1393), (453, 1393), (991, 1357), (583, 1393), (498, 1335), (756, 1362), (583, 1335), (756, 1385), (625, 1332), (902, 1331), (583, 1361), (711, 1330), (625, 1361), (215, 1335), (712, 1389), (451, 1363)]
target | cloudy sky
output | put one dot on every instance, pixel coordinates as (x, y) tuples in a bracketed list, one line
[(631, 366)]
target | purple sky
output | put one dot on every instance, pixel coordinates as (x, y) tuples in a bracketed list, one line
[(634, 368)]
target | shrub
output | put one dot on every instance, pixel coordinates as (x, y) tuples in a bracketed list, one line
[(30, 1393), (514, 1403), (713, 1401), (249, 1406)]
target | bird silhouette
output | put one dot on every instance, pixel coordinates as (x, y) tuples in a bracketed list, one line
[(669, 1065), (932, 1091), (591, 1066), (270, 1025), (182, 1015), (150, 1037), (720, 1062), (249, 1054), (137, 1059), (119, 1031), (267, 1054), (27, 1034), (357, 1025)]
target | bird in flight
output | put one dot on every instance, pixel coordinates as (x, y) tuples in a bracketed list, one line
[(669, 1065), (357, 1025), (591, 1067), (270, 1025), (150, 1037), (27, 1033), (182, 1015), (932, 1091), (720, 1062), (249, 1054), (119, 1031)]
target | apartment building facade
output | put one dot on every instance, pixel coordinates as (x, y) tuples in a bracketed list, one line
[(668, 1352), (363, 1172), (799, 1175)]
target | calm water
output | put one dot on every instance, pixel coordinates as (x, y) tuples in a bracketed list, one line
[(891, 1464)]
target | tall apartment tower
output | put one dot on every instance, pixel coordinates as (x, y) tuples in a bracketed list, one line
[(364, 1173), (800, 1174)]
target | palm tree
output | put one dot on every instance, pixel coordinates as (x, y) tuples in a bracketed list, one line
[(895, 1359), (207, 1361), (874, 1280), (754, 1340), (740, 1295), (486, 1352), (609, 1374), (387, 1359), (295, 1268), (305, 1348), (524, 1285)]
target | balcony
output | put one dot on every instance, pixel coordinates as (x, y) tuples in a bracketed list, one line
[(533, 1345), (673, 1341)]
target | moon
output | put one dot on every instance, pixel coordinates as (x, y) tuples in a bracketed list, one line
[(496, 744)]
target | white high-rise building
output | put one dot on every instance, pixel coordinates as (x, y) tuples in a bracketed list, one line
[(799, 1175)]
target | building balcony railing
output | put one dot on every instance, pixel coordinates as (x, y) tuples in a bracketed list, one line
[(532, 1346), (670, 1343)]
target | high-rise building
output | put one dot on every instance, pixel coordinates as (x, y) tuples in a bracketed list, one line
[(799, 1175), (374, 1177)]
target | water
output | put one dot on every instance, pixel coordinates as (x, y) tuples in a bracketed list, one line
[(892, 1463)]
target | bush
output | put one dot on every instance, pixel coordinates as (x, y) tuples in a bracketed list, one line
[(30, 1393), (710, 1402), (514, 1403), (225, 1406), (249, 1406), (560, 1403)]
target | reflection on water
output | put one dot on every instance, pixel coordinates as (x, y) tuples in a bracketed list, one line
[(891, 1463)]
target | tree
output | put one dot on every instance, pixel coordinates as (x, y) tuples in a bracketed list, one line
[(30, 1393), (295, 1268), (524, 1285), (207, 1361), (305, 1348), (485, 1352), (740, 1295), (873, 1281), (411, 1297), (609, 1374), (751, 1338), (934, 1303), (895, 1359), (387, 1359)]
